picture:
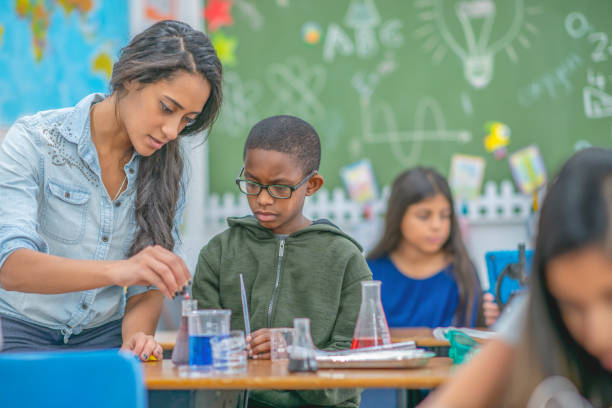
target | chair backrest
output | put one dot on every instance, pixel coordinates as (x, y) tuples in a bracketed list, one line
[(496, 262), (92, 379)]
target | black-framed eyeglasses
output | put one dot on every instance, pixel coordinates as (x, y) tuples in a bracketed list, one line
[(281, 191)]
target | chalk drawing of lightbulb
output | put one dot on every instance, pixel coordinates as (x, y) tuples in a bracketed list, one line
[(470, 36)]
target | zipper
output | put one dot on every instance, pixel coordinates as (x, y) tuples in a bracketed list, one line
[(281, 250)]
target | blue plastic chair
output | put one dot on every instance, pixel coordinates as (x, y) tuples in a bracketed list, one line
[(92, 379), (496, 262)]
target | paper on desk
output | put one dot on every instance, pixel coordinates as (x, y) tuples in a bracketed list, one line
[(439, 332), (399, 358), (405, 345)]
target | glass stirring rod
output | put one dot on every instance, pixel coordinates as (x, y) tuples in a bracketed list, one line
[(245, 307)]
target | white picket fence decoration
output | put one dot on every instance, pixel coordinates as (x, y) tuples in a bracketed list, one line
[(498, 204), (503, 204)]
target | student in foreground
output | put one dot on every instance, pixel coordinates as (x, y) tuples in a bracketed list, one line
[(564, 328), (292, 266)]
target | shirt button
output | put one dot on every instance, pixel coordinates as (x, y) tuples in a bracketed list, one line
[(117, 203), (84, 306), (131, 171), (67, 195), (105, 238)]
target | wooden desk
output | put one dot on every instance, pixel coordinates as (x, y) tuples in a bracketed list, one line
[(422, 336), (266, 374)]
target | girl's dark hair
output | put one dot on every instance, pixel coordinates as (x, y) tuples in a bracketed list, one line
[(411, 187), (158, 53), (575, 214)]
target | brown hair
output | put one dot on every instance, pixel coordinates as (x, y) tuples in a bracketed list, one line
[(158, 53)]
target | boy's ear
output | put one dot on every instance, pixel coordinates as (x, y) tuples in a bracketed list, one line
[(314, 184)]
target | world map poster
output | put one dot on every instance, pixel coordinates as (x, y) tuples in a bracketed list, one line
[(54, 52)]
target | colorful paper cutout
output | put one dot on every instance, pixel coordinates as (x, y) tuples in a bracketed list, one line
[(311, 33), (159, 10), (528, 169), (466, 175), (225, 47), (359, 180), (218, 13), (498, 139)]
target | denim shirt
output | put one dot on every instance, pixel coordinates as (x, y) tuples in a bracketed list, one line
[(52, 200)]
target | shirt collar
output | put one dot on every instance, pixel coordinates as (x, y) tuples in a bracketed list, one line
[(74, 126), (75, 129)]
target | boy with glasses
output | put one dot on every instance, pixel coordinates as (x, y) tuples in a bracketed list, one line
[(292, 266)]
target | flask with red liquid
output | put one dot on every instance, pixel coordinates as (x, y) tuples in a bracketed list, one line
[(371, 328), (180, 353)]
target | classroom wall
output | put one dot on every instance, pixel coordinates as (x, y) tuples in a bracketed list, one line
[(554, 92), (405, 83)]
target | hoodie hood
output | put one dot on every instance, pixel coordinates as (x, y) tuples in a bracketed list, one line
[(321, 226)]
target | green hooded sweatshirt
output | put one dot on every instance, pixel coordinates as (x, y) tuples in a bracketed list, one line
[(314, 272)]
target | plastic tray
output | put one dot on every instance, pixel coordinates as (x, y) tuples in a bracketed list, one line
[(381, 359)]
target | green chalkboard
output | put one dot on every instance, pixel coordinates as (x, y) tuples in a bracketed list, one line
[(413, 82)]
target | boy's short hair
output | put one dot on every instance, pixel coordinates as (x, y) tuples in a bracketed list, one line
[(287, 134)]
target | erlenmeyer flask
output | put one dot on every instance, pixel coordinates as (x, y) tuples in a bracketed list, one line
[(371, 328), (302, 351), (180, 353)]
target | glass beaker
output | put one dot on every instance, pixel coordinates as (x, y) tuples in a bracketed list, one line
[(302, 351), (281, 340), (371, 328), (229, 353), (180, 353), (204, 325)]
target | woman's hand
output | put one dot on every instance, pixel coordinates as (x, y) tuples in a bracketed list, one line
[(258, 344), (143, 345), (490, 309), (156, 266)]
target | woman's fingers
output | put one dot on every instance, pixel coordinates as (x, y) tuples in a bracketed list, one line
[(149, 348), (176, 265), (135, 344), (163, 273), (143, 345), (158, 352), (156, 266)]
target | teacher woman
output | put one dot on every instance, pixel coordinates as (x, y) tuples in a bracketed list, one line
[(91, 199)]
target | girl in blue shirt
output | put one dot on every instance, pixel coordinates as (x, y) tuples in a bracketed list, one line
[(92, 199), (428, 279)]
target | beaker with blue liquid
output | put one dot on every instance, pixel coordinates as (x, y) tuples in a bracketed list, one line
[(203, 326)]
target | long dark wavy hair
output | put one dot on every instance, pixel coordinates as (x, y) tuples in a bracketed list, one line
[(410, 187), (576, 213), (158, 53)]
